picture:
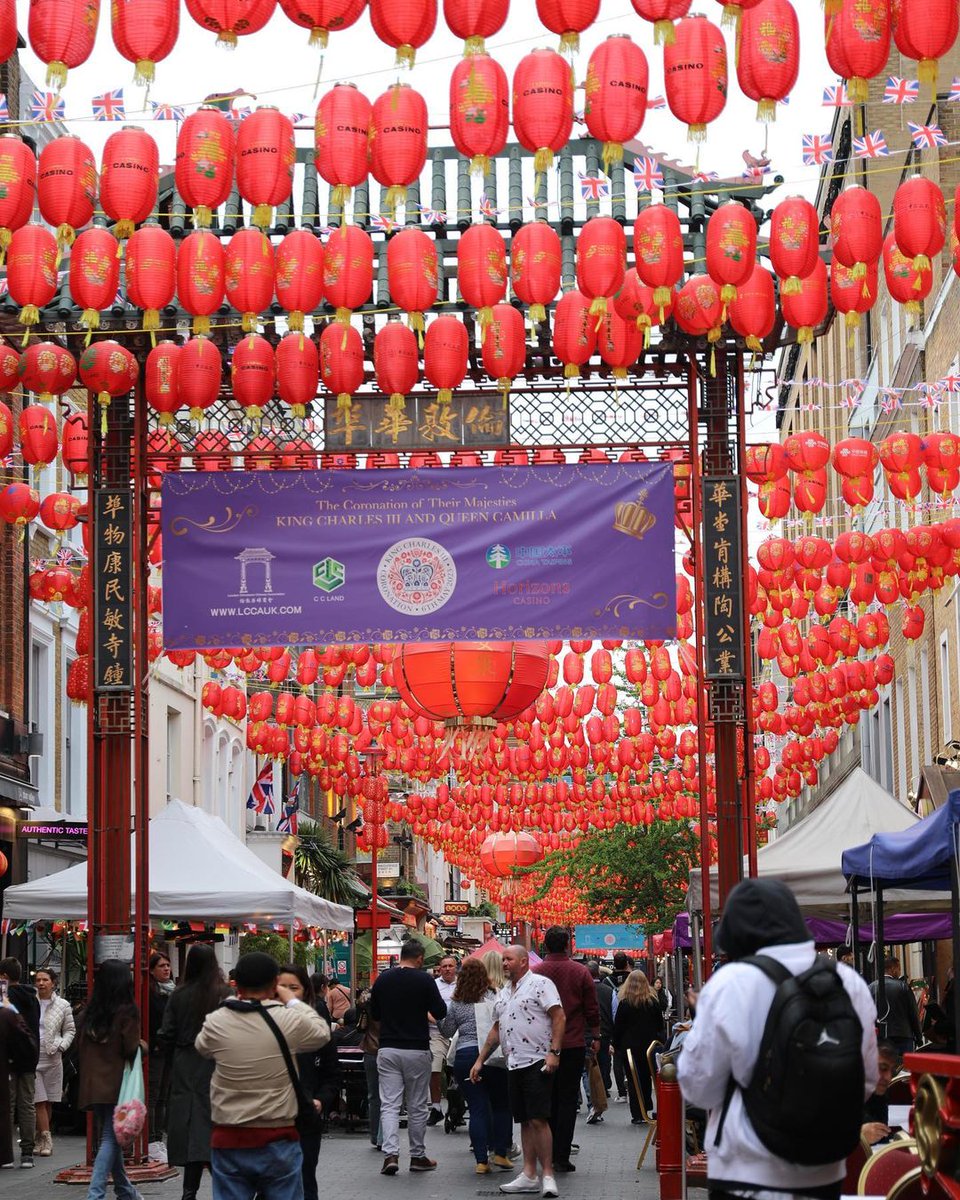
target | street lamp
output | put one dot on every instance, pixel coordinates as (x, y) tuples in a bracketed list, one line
[(373, 805)]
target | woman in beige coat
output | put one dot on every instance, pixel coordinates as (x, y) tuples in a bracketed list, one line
[(57, 1031)]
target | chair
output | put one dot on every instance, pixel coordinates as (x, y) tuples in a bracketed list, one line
[(910, 1187), (887, 1167), (651, 1121), (899, 1092), (857, 1159)]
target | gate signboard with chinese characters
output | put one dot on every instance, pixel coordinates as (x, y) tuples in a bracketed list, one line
[(371, 424), (722, 563), (112, 590)]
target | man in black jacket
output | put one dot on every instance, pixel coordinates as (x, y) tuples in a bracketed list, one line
[(23, 1111), (604, 991), (897, 1016)]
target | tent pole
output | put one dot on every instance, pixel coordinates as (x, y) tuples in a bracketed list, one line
[(695, 959), (855, 926), (878, 958), (955, 904)]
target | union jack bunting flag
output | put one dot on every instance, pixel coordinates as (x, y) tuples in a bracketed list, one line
[(486, 208), (4, 108), (890, 400), (384, 224), (109, 106), (817, 149), (593, 187), (705, 176), (930, 395), (296, 118), (237, 114), (655, 103), (901, 91), (47, 106), (949, 383), (756, 172), (871, 145), (853, 391), (647, 174), (925, 137), (432, 216), (65, 556), (835, 97), (261, 794), (291, 811), (954, 93), (168, 112)]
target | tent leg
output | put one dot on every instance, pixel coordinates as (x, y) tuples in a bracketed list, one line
[(695, 959), (955, 902), (855, 927), (290, 939), (878, 957)]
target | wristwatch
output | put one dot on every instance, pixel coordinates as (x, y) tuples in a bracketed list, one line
[(552, 1051)]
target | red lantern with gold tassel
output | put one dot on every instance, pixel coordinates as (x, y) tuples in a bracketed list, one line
[(768, 54), (253, 372), (299, 275), (474, 20), (323, 17), (19, 505), (47, 370), (341, 362), (266, 153), (734, 10), (348, 270), (341, 140), (151, 272), (807, 309), (298, 372), (8, 29), (37, 430), (504, 347), (906, 284), (404, 24), (204, 165), (851, 295), (695, 75), (574, 333), (535, 254), (200, 373), (32, 271), (201, 272), (662, 14), (161, 381), (396, 361), (856, 228), (658, 250), (858, 42), (919, 220), (18, 171), (568, 19), (482, 270), (698, 309), (412, 274), (445, 352), (753, 312), (479, 110), (926, 30), (66, 186), (145, 31), (619, 342), (249, 275), (94, 275), (543, 106), (128, 178), (9, 370), (731, 248), (61, 34), (6, 430), (398, 142), (75, 448), (616, 95), (636, 303), (231, 19), (108, 369), (794, 240), (601, 261)]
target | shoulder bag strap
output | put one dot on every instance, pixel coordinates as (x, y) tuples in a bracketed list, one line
[(285, 1051)]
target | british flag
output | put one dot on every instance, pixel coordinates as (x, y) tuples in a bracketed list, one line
[(871, 145), (705, 176), (756, 172), (261, 794), (296, 118), (593, 187), (949, 383), (817, 149), (4, 108), (47, 106), (925, 137), (647, 174), (835, 97), (237, 114), (291, 812), (901, 91), (655, 103), (109, 106), (486, 208), (65, 556), (168, 112), (930, 395), (432, 216), (383, 223), (954, 93), (891, 400)]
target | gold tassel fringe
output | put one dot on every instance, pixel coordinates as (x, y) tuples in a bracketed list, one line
[(444, 397), (318, 37), (473, 45), (144, 72), (56, 75), (201, 326), (766, 111), (664, 33), (696, 133), (537, 314), (262, 216), (792, 286), (612, 155), (406, 56), (227, 38)]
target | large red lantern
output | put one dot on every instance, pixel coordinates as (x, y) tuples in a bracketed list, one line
[(266, 152), (926, 31), (37, 429), (731, 248), (574, 333), (907, 285), (807, 309), (619, 342), (504, 348), (201, 271), (108, 369), (348, 270), (253, 371), (412, 274), (482, 269), (161, 381), (398, 141), (753, 312), (462, 683), (341, 140), (200, 373), (794, 240), (698, 309), (231, 19), (61, 33), (94, 274), (479, 110), (47, 370), (658, 251), (249, 275), (75, 448), (616, 95), (299, 275), (662, 14), (769, 54), (502, 853), (445, 352), (66, 186), (695, 75), (543, 105), (128, 178), (323, 17), (601, 261), (568, 18), (404, 24), (919, 220), (856, 227), (341, 362), (636, 303), (298, 372), (8, 44), (18, 172), (151, 272), (850, 295), (204, 166), (396, 361), (32, 271), (19, 504), (858, 42), (145, 31), (535, 254), (9, 370), (474, 20)]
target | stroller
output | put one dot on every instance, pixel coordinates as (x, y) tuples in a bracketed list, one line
[(456, 1114)]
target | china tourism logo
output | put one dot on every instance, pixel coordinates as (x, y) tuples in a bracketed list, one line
[(498, 556), (416, 576), (329, 575)]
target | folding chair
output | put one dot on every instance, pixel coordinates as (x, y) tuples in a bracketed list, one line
[(651, 1121)]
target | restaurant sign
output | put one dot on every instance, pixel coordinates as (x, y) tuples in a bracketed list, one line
[(724, 656), (112, 590)]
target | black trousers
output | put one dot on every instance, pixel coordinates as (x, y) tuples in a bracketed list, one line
[(566, 1096), (603, 1062), (310, 1146), (620, 1072)]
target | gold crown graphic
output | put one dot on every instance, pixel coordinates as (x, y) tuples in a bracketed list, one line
[(633, 519)]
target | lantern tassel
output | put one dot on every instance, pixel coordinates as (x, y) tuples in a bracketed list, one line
[(728, 293), (143, 73), (262, 216), (103, 399), (29, 315), (66, 235), (406, 56), (201, 326), (248, 322), (344, 401), (731, 17), (696, 133), (416, 323), (833, 8), (340, 195), (920, 263), (202, 216), (504, 384), (664, 33), (295, 321), (792, 286), (804, 335), (444, 397), (342, 316), (571, 371), (570, 42), (542, 162), (227, 39), (151, 320), (484, 320), (927, 71), (123, 229), (612, 155), (537, 314), (396, 403), (319, 37), (766, 110), (56, 75), (165, 419), (396, 194), (480, 164), (858, 89), (196, 414)]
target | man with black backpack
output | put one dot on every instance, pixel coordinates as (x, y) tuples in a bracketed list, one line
[(783, 1053)]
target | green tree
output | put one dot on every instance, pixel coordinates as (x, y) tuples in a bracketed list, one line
[(323, 869), (277, 947)]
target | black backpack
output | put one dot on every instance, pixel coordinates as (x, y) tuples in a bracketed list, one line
[(22, 1048), (805, 1098)]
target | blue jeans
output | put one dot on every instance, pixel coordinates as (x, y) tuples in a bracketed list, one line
[(109, 1161), (491, 1125), (272, 1172)]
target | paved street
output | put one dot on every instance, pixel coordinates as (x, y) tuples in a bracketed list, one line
[(606, 1165)]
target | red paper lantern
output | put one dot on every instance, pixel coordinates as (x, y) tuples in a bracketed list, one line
[(66, 185), (128, 178), (479, 110), (8, 44), (266, 152), (543, 105), (249, 275), (808, 451), (445, 352), (200, 373), (9, 370), (108, 369), (662, 14), (601, 261), (482, 270), (404, 24), (299, 275), (398, 141), (151, 272), (59, 512), (616, 95), (348, 270), (794, 241), (769, 54), (298, 372), (856, 228), (753, 312), (231, 19), (18, 171), (501, 853), (341, 140), (568, 18), (919, 220), (731, 248), (396, 362), (412, 274), (19, 504), (574, 333), (852, 296), (907, 285), (854, 456), (635, 303), (658, 251), (535, 254), (773, 499), (341, 362), (201, 277), (459, 682), (474, 20), (858, 42), (61, 33), (926, 31), (322, 17), (94, 274), (698, 309), (807, 309), (695, 75), (204, 165), (32, 271), (75, 448), (6, 430), (504, 348), (37, 429), (161, 381), (253, 372), (619, 342), (145, 31)]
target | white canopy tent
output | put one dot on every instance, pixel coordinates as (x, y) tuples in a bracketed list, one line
[(199, 871), (807, 857)]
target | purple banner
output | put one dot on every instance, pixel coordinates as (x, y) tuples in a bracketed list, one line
[(469, 554)]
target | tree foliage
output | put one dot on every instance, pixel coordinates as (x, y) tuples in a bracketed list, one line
[(323, 869)]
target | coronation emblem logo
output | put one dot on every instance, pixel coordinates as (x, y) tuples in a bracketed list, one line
[(416, 576)]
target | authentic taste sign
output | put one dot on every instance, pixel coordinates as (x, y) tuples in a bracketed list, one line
[(472, 554)]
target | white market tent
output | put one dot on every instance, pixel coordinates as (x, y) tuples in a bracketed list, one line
[(807, 857), (199, 871)]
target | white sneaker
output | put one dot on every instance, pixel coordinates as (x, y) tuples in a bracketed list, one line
[(522, 1183), (549, 1187), (157, 1151)]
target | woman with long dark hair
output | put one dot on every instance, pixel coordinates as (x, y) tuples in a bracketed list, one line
[(161, 987), (638, 1022), (109, 1039), (188, 1122)]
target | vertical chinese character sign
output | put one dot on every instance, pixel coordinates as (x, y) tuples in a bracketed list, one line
[(722, 565), (113, 599)]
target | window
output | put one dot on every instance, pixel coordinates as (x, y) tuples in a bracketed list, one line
[(914, 721), (945, 686), (885, 747), (927, 715), (173, 753), (901, 726)]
